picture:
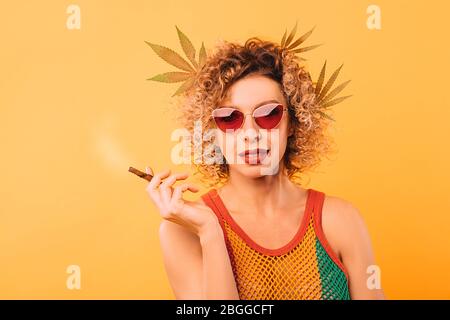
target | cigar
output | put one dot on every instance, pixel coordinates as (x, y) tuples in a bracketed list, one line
[(140, 174)]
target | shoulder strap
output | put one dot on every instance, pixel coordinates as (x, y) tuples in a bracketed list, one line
[(319, 198), (210, 202), (207, 198)]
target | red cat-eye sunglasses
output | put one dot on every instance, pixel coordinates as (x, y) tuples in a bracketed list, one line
[(267, 116)]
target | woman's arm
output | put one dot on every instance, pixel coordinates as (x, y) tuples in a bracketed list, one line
[(193, 246), (218, 279), (348, 235), (198, 267)]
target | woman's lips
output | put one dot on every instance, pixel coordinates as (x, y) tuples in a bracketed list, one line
[(253, 151), (254, 156)]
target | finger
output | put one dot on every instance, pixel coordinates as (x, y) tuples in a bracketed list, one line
[(165, 187), (193, 188), (177, 196), (178, 191), (155, 182), (173, 178), (149, 170), (177, 202)]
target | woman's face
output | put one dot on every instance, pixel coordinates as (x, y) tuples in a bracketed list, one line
[(246, 95)]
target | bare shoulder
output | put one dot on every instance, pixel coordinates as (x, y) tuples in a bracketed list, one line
[(342, 222), (338, 209), (347, 234)]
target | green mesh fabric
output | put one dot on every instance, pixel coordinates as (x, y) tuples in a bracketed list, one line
[(333, 280)]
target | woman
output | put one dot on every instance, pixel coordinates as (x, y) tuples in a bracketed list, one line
[(259, 235)]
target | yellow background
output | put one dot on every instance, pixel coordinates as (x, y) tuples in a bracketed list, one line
[(76, 111)]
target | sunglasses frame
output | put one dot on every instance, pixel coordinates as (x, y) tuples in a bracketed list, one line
[(252, 115)]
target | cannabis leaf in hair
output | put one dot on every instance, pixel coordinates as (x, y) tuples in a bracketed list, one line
[(173, 58), (323, 98), (294, 47)]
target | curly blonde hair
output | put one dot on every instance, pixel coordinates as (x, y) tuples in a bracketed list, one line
[(230, 62)]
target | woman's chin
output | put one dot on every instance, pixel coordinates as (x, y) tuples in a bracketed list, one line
[(253, 171)]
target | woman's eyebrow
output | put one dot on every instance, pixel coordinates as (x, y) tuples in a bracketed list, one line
[(255, 106)]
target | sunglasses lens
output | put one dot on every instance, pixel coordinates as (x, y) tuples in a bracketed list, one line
[(228, 118), (268, 116)]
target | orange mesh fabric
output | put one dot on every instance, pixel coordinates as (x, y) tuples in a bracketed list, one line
[(305, 268)]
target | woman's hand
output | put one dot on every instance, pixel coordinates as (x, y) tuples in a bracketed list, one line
[(196, 217)]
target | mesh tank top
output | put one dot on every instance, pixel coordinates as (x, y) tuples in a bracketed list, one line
[(304, 268)]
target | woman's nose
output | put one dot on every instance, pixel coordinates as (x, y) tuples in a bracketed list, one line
[(250, 129), (248, 122)]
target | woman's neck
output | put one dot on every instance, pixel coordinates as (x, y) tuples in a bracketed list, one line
[(264, 195)]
